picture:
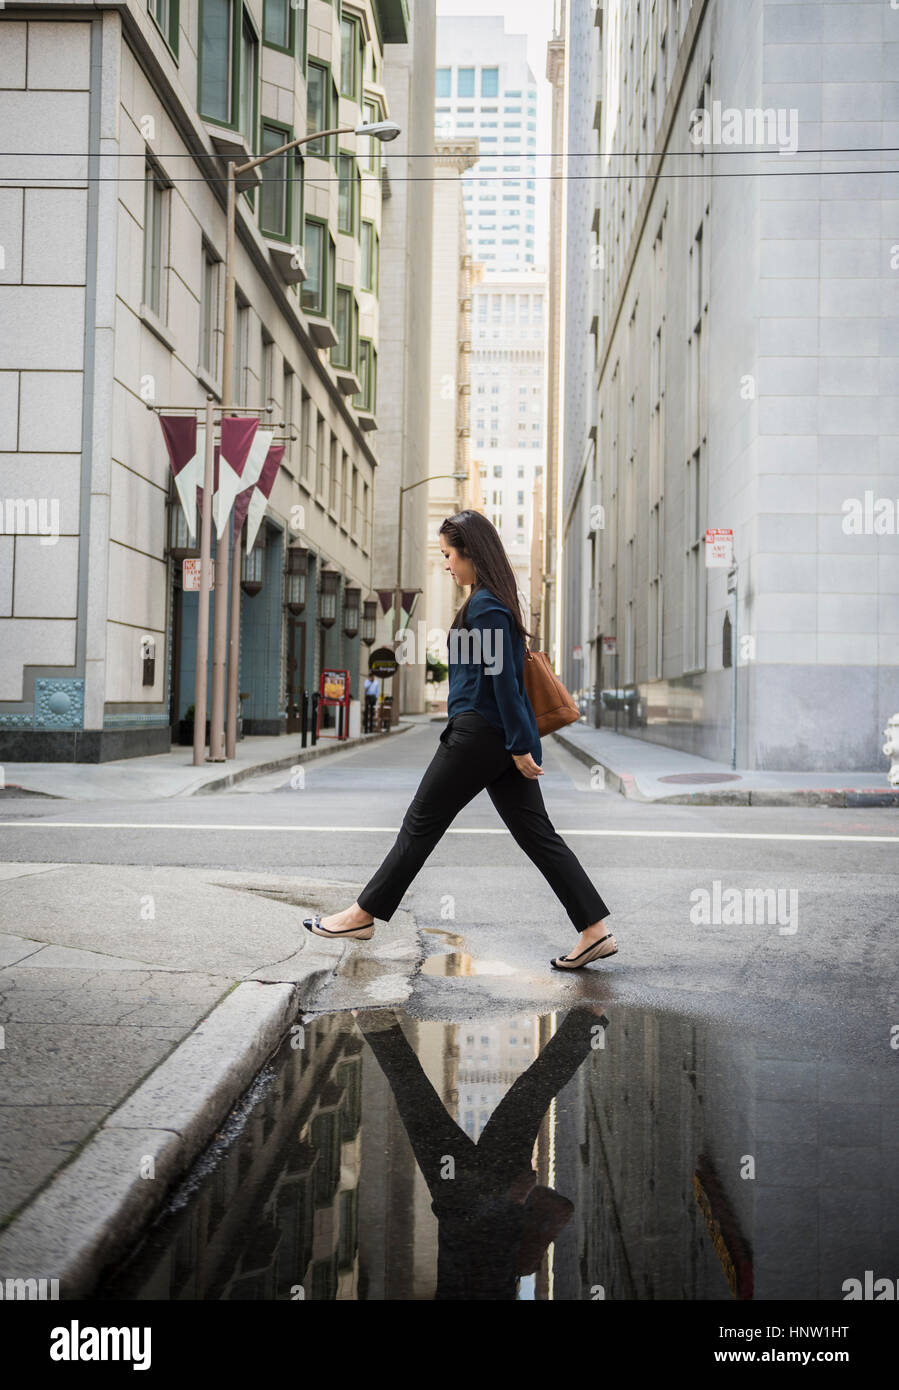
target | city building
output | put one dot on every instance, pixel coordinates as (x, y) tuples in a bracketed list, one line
[(546, 578), (450, 442), (404, 373), (118, 123), (742, 367), (508, 407), (485, 88)]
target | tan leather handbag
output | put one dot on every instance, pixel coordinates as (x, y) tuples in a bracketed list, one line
[(552, 705)]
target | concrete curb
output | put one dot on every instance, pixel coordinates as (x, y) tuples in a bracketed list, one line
[(625, 783), (98, 1204), (304, 755)]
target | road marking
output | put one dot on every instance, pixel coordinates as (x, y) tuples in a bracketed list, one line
[(453, 830)]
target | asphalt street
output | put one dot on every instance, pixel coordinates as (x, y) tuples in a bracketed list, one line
[(337, 817)]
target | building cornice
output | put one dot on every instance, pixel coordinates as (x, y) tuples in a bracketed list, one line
[(461, 154), (555, 62)]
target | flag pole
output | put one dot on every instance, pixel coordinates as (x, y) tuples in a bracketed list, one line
[(223, 546), (233, 643), (203, 596)]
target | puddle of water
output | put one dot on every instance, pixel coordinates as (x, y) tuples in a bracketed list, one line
[(446, 961), (632, 1155)]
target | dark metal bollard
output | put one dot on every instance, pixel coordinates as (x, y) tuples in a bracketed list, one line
[(315, 699)]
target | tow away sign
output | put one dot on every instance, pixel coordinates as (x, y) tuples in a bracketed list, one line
[(719, 548), (190, 575)]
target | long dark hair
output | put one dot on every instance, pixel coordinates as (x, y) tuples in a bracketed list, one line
[(477, 539)]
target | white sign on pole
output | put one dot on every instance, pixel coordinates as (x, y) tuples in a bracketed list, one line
[(719, 547), (608, 646), (578, 653), (190, 575)]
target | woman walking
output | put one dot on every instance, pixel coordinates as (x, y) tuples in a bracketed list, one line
[(490, 740)]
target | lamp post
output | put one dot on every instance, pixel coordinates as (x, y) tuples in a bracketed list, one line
[(398, 595), (380, 130)]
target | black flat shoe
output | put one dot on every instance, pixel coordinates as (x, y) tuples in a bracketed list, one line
[(586, 956), (364, 933)]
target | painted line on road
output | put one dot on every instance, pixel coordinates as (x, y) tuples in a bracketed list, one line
[(453, 830)]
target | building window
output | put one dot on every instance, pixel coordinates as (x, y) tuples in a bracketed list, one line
[(442, 84), (368, 361), (348, 194), (248, 81), (209, 303), (465, 82), (277, 24), (346, 321), (352, 57), (241, 351), (370, 257), (287, 406), (321, 262), (156, 210), (165, 13), (489, 82), (306, 443), (216, 76), (373, 158), (281, 199), (320, 106), (321, 445), (332, 479)]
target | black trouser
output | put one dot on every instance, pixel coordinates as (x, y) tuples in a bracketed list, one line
[(368, 723), (472, 756)]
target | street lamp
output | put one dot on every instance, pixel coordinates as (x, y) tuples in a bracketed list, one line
[(327, 616), (351, 597), (369, 620), (378, 130), (295, 578), (253, 569)]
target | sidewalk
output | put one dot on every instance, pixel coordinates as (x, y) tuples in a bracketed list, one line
[(138, 1005), (173, 774), (644, 771)]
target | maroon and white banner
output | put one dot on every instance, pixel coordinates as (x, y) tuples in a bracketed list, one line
[(252, 501), (186, 445), (242, 456)]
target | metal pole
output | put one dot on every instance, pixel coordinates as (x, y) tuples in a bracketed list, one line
[(397, 613), (203, 607), (234, 644), (733, 662), (223, 548)]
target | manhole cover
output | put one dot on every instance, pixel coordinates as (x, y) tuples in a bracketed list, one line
[(702, 777)]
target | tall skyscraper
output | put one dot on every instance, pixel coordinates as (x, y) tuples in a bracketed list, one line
[(484, 87)]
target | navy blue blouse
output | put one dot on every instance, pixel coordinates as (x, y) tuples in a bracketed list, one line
[(486, 673)]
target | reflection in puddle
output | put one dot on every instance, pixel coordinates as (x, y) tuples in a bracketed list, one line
[(570, 1156), (450, 961)]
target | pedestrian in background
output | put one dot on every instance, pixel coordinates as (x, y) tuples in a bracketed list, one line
[(372, 691), (490, 740)]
